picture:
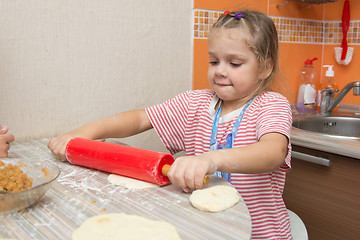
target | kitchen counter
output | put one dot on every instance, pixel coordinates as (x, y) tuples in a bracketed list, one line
[(80, 193), (349, 147)]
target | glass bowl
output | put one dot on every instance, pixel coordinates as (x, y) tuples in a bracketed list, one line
[(11, 202)]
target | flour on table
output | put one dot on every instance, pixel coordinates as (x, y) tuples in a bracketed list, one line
[(129, 183), (215, 199), (122, 226)]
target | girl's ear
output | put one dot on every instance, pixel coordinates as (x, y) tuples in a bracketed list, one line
[(266, 69)]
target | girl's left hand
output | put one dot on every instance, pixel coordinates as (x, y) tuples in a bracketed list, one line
[(188, 172), (5, 140)]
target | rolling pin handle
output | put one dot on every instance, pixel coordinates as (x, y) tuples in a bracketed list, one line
[(166, 167), (206, 179)]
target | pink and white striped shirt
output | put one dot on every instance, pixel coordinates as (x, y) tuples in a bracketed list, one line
[(184, 123)]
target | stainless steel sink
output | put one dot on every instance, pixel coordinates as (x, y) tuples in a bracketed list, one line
[(344, 126)]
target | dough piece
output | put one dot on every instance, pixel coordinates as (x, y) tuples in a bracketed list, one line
[(129, 183), (215, 199), (122, 226)]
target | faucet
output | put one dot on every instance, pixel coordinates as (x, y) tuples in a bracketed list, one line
[(328, 103)]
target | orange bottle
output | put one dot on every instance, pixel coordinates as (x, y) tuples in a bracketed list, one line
[(328, 82)]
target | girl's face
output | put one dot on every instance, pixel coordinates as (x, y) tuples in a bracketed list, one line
[(233, 71)]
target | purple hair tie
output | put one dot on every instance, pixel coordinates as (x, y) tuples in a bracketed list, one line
[(239, 15)]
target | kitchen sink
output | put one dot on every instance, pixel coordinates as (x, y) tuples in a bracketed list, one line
[(344, 126)]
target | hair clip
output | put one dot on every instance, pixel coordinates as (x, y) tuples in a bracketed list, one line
[(239, 15), (225, 13)]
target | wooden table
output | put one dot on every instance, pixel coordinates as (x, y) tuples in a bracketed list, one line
[(80, 193)]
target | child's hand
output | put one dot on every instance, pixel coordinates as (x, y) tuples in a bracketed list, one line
[(5, 140), (189, 172), (58, 144)]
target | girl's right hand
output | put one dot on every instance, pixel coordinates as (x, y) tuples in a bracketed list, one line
[(57, 145), (188, 172)]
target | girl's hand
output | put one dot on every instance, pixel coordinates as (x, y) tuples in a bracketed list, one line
[(188, 172), (5, 140), (120, 125), (58, 144)]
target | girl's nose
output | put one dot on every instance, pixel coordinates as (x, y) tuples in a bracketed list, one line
[(221, 70)]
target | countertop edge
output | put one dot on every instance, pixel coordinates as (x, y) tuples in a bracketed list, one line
[(348, 148)]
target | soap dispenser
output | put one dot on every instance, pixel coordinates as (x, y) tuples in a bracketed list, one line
[(306, 99), (329, 82)]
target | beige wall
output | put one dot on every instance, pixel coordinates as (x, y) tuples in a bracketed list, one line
[(67, 62)]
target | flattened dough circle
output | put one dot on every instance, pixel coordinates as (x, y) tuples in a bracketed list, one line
[(215, 199), (129, 183), (122, 226)]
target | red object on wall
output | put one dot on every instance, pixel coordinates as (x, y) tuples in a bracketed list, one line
[(123, 160)]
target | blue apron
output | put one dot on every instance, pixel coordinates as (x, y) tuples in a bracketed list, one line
[(230, 138)]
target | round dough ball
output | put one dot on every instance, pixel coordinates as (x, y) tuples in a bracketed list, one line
[(215, 199), (122, 226)]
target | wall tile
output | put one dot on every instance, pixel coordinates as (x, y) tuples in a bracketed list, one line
[(291, 30)]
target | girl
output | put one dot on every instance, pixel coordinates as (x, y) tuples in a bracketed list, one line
[(239, 129)]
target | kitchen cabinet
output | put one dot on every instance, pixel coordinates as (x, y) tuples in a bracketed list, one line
[(327, 198)]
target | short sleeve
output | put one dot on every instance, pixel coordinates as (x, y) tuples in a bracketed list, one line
[(169, 121), (276, 116)]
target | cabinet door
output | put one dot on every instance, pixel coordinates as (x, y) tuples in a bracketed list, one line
[(327, 199)]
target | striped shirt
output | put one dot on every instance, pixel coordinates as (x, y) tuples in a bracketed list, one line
[(184, 123)]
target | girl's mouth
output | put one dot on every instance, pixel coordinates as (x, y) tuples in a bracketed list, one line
[(222, 84)]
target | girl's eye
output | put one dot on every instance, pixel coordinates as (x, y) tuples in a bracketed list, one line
[(213, 62), (236, 64)]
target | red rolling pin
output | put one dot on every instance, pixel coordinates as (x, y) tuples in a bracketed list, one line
[(145, 165)]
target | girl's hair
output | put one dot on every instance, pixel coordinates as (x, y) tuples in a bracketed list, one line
[(263, 39)]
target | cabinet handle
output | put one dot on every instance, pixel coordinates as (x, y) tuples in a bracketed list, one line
[(311, 158)]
